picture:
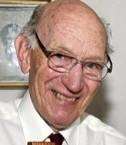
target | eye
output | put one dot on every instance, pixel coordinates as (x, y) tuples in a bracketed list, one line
[(61, 60), (93, 66), (58, 57)]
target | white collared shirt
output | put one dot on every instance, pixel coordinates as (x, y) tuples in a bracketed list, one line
[(20, 123)]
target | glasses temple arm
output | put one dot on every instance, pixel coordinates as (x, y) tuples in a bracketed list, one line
[(111, 64)]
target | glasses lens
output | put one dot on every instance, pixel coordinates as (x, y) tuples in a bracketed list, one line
[(60, 62), (95, 71), (63, 63)]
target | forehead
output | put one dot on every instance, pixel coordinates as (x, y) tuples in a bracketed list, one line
[(76, 29)]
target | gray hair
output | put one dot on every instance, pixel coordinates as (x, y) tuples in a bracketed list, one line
[(109, 35), (29, 30)]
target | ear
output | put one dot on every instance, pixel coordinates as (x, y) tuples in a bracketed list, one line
[(23, 53)]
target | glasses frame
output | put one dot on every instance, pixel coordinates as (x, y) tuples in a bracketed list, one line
[(48, 54)]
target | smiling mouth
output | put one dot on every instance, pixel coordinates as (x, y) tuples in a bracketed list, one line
[(62, 97)]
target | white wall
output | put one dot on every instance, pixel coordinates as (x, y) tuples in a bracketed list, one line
[(110, 104), (114, 97)]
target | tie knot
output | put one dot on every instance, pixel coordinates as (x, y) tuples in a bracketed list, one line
[(56, 138)]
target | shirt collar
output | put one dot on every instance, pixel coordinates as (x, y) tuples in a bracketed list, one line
[(35, 128), (70, 134)]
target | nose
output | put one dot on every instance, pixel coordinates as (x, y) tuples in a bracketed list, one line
[(73, 80)]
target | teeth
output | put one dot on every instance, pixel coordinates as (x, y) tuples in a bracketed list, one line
[(63, 98)]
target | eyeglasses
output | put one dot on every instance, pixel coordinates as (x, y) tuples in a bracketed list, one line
[(63, 63)]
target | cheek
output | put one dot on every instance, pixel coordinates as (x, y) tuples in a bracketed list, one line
[(51, 74), (37, 78), (47, 79), (42, 82), (91, 89), (93, 86)]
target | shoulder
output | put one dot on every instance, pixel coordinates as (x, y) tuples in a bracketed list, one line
[(10, 124), (8, 109), (104, 134)]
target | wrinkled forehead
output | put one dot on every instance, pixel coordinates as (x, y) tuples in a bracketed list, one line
[(61, 10), (71, 21), (66, 12)]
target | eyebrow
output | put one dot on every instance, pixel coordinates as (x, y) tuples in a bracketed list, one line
[(66, 51), (95, 58)]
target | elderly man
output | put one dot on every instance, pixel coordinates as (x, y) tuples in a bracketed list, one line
[(64, 48)]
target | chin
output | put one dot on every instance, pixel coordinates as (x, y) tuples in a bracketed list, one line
[(59, 123), (60, 126)]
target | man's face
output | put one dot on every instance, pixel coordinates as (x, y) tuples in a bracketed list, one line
[(60, 98)]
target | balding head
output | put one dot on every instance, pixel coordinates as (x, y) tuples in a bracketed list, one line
[(60, 11), (47, 16)]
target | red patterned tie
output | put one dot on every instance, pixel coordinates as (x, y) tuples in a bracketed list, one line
[(56, 138), (40, 143)]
